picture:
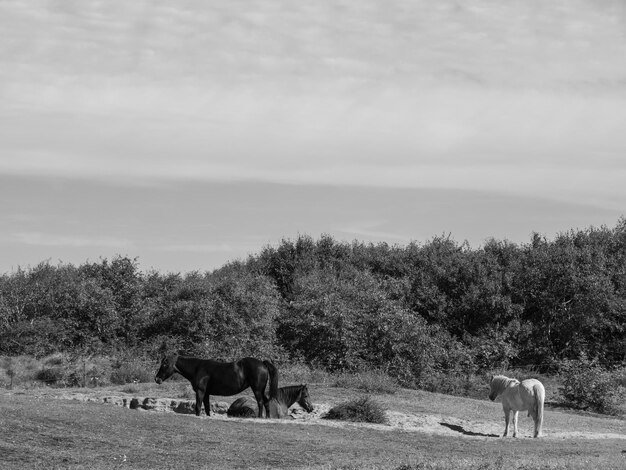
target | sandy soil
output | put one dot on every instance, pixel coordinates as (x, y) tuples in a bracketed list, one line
[(435, 424)]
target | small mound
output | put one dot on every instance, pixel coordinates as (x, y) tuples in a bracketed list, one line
[(360, 410)]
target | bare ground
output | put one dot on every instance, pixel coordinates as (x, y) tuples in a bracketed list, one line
[(408, 411)]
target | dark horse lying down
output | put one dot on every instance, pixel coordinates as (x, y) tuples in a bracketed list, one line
[(210, 377), (280, 401), (245, 407)]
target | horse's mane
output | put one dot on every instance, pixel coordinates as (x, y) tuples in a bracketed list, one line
[(289, 390), (500, 382)]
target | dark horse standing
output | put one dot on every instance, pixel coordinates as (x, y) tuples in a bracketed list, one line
[(210, 377)]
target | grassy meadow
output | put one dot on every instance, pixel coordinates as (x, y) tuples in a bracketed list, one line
[(40, 430)]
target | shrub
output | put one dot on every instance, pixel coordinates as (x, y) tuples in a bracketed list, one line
[(452, 383), (131, 372), (50, 375), (19, 370), (54, 360), (363, 410), (297, 372), (370, 381), (130, 389), (88, 375), (588, 386), (74, 379)]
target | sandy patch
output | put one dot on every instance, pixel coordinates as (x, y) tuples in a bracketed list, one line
[(433, 424)]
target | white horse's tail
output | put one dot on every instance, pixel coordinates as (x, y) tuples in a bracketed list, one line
[(540, 396)]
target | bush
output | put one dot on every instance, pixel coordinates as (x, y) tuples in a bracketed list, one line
[(371, 381), (54, 360), (297, 372), (130, 389), (50, 375), (88, 375), (588, 386), (19, 370), (453, 383), (131, 372), (362, 410)]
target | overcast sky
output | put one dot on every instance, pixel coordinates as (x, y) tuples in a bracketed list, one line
[(191, 133)]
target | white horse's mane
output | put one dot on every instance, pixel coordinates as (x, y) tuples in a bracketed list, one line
[(501, 382)]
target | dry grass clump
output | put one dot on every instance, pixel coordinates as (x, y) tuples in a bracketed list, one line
[(360, 410)]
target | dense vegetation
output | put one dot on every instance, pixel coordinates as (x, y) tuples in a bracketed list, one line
[(419, 312)]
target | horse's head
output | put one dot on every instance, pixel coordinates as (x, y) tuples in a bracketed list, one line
[(492, 393), (304, 401), (168, 367), (497, 386)]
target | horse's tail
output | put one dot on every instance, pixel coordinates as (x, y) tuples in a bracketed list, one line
[(273, 371), (540, 396)]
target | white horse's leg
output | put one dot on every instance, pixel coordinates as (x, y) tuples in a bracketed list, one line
[(538, 428), (515, 413), (507, 414)]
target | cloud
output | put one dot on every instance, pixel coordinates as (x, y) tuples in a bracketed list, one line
[(66, 240), (509, 96), (201, 248)]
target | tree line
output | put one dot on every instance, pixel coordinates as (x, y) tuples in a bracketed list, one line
[(418, 311)]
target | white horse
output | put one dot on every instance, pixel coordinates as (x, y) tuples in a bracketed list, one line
[(527, 395)]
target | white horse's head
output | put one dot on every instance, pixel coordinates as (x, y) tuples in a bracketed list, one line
[(492, 392), (497, 385)]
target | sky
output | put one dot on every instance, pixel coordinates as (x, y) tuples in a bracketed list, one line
[(189, 134)]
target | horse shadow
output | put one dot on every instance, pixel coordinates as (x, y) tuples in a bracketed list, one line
[(457, 428)]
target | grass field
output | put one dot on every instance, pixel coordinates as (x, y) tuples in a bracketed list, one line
[(39, 430)]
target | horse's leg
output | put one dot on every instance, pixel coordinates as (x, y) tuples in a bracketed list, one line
[(199, 399), (537, 428), (515, 413), (534, 417), (507, 413), (207, 404), (262, 404)]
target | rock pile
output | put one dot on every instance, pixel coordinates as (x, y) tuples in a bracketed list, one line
[(163, 404)]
